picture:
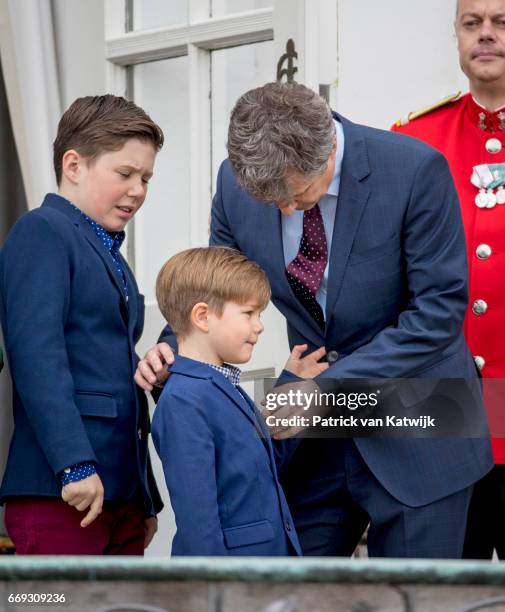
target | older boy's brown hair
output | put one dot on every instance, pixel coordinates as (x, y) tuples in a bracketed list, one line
[(97, 124), (213, 275)]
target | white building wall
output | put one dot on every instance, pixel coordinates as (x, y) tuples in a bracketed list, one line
[(395, 57), (80, 46)]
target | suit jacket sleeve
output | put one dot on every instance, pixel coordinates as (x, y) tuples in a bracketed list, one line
[(185, 444), (435, 265), (35, 284)]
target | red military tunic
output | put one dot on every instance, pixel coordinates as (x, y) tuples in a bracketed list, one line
[(468, 136)]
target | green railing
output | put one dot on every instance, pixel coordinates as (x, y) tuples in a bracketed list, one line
[(249, 569)]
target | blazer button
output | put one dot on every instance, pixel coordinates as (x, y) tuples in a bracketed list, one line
[(332, 356), (483, 251), (480, 362), (139, 432)]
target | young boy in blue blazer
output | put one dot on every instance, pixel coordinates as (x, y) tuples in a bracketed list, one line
[(216, 453), (71, 315)]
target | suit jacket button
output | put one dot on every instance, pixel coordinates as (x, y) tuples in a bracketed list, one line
[(479, 307), (332, 356), (140, 433), (480, 362)]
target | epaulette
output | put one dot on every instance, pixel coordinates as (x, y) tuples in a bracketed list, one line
[(420, 113)]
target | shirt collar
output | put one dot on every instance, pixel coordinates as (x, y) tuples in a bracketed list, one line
[(335, 181), (112, 240), (228, 371)]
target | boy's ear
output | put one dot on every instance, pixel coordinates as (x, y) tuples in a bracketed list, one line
[(71, 164), (200, 316)]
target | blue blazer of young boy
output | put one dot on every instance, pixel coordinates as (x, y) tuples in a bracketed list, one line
[(219, 467), (70, 332)]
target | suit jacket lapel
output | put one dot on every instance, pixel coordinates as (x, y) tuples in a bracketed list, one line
[(353, 196), (269, 224), (105, 256), (64, 206), (263, 433), (247, 407), (234, 395), (133, 293)]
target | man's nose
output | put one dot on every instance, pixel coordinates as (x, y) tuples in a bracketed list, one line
[(487, 32)]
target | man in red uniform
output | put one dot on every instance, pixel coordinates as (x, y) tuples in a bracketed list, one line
[(470, 131)]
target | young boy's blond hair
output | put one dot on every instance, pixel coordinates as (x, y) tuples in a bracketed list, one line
[(213, 275)]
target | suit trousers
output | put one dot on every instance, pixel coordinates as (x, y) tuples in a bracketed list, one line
[(333, 496), (49, 526)]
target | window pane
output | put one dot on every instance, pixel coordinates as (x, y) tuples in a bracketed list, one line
[(162, 226), (158, 13), (225, 7), (234, 71)]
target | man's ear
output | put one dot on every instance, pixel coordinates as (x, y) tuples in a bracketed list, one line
[(71, 165), (199, 316)]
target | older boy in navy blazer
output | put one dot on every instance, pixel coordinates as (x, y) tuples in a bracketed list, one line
[(216, 453), (71, 315)]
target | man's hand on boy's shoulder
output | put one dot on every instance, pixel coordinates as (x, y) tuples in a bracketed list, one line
[(83, 494), (152, 369)]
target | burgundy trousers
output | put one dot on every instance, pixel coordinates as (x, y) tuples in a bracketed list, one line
[(49, 526)]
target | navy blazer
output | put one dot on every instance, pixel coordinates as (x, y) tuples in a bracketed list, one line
[(397, 292), (219, 467), (70, 337)]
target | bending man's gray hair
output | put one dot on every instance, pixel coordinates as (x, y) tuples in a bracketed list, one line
[(276, 129)]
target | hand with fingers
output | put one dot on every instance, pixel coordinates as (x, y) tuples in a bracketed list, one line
[(290, 401), (308, 366), (83, 494), (153, 368)]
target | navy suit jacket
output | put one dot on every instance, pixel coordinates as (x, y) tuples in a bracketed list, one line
[(397, 292), (70, 337), (219, 467)]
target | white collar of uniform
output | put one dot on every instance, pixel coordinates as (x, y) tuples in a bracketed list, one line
[(496, 110)]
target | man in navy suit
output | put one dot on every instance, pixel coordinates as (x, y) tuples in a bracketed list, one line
[(365, 253), (71, 315)]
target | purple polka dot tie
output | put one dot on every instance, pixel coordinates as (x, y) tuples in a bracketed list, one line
[(306, 271)]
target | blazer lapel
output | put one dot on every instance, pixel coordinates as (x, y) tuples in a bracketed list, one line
[(269, 224), (353, 196), (64, 206), (234, 395), (105, 256), (263, 433)]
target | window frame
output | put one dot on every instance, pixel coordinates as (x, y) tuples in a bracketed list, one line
[(197, 39)]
